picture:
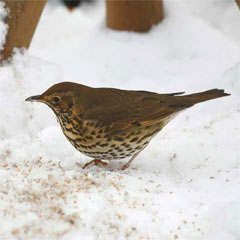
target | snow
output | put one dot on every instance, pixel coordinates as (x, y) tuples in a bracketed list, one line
[(184, 185)]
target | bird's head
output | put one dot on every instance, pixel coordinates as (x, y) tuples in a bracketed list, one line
[(59, 97)]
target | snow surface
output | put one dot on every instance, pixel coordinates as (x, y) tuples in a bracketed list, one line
[(184, 185)]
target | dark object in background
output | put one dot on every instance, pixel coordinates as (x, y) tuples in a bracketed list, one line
[(71, 4), (133, 15), (238, 3), (22, 22)]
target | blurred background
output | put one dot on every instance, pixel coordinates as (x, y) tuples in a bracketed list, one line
[(185, 185)]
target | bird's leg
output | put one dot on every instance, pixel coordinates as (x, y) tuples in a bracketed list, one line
[(131, 160), (96, 162)]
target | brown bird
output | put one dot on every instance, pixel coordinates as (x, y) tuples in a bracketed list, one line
[(108, 123)]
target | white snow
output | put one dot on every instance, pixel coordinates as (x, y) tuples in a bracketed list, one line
[(184, 185)]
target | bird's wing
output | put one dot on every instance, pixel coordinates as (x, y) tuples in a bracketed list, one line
[(137, 111)]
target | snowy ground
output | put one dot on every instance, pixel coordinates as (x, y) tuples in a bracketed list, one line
[(185, 185)]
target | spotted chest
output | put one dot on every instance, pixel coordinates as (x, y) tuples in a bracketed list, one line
[(91, 138)]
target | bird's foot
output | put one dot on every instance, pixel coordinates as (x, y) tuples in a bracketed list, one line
[(95, 162), (125, 166)]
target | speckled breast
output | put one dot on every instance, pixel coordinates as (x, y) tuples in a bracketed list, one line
[(91, 139)]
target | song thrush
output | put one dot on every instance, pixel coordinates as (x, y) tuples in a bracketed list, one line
[(108, 123)]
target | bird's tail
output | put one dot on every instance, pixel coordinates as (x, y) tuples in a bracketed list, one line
[(205, 96)]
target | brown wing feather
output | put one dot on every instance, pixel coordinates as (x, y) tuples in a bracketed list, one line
[(132, 109)]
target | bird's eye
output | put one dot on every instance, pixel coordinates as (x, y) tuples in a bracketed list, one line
[(56, 99)]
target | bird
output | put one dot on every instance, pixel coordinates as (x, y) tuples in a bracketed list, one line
[(110, 123), (72, 4)]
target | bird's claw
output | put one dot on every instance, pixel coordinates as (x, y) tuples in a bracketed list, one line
[(95, 162)]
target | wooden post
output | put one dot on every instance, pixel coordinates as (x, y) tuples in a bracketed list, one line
[(22, 21), (238, 3), (134, 15)]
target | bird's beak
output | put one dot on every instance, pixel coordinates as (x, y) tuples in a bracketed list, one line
[(37, 98)]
